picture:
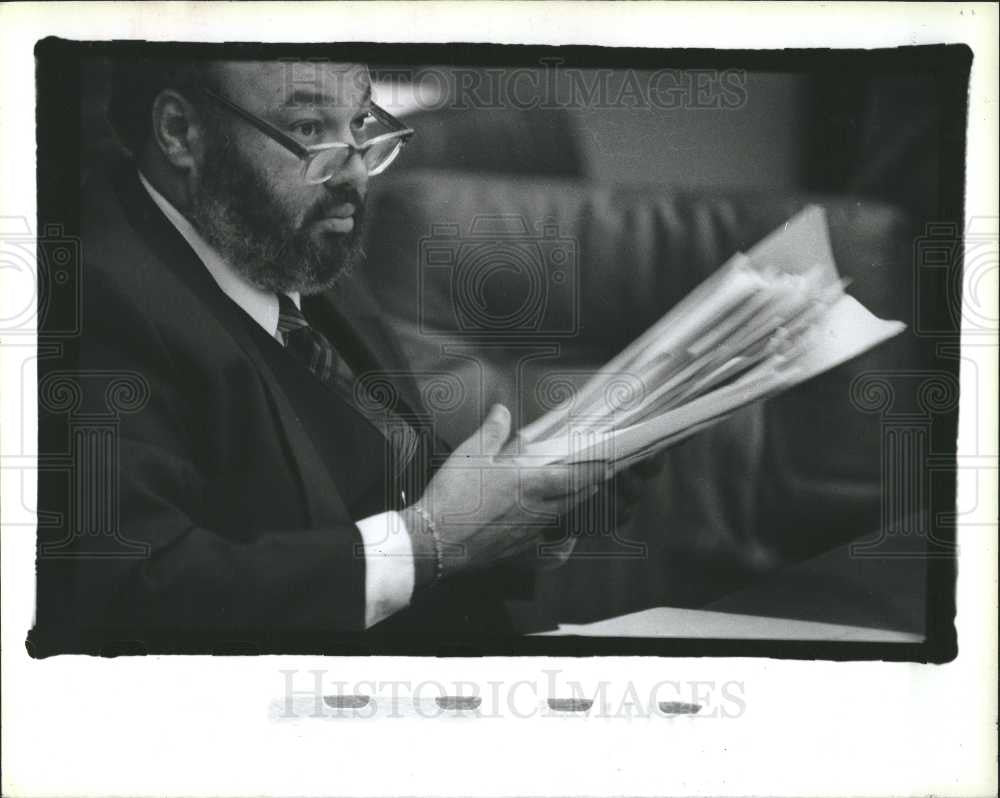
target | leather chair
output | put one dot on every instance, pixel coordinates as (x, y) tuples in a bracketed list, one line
[(509, 289)]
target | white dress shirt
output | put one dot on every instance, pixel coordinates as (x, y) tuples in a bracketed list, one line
[(389, 567)]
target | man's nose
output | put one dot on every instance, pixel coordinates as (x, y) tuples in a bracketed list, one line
[(353, 174)]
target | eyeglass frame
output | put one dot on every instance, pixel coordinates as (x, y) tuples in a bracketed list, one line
[(307, 153)]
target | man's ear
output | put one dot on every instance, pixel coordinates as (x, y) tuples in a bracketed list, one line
[(178, 130)]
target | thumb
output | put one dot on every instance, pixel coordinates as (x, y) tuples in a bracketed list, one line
[(491, 436)]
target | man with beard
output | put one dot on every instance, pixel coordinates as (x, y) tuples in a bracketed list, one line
[(265, 498)]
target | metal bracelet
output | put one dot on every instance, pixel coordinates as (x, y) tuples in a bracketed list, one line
[(419, 509)]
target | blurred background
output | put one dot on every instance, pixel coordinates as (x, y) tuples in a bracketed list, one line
[(872, 134), (655, 176)]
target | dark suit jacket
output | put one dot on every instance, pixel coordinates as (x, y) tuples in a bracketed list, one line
[(220, 496)]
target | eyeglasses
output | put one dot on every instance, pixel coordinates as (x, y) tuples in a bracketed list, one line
[(320, 162)]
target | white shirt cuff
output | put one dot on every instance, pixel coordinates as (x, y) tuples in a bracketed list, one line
[(389, 568)]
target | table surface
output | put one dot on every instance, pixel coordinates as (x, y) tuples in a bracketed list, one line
[(667, 622), (836, 596)]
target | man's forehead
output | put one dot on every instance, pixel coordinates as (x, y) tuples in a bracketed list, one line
[(274, 84)]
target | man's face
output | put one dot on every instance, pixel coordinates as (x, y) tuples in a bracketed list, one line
[(251, 201)]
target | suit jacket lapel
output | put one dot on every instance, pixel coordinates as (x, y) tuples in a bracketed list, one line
[(322, 502)]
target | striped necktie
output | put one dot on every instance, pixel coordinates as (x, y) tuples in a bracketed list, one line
[(313, 349)]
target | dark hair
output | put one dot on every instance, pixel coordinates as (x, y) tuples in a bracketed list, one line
[(135, 84)]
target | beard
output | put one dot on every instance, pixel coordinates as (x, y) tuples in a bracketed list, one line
[(238, 213)]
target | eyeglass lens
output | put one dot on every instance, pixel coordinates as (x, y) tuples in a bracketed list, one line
[(327, 163)]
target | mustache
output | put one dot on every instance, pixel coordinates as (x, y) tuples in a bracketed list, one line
[(334, 199)]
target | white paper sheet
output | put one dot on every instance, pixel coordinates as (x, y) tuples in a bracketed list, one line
[(767, 320)]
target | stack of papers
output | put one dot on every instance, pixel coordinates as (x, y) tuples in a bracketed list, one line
[(765, 321)]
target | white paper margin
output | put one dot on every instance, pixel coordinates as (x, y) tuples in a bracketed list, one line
[(199, 726)]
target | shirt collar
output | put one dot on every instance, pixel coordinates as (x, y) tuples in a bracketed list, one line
[(260, 305)]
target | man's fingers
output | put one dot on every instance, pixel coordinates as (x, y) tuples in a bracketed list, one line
[(571, 500), (490, 437), (519, 544), (585, 476), (558, 481), (496, 430), (590, 472)]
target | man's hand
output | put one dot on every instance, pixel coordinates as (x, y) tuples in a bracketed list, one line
[(483, 508), (608, 509)]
